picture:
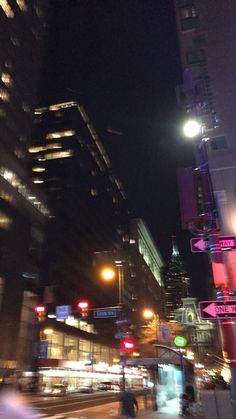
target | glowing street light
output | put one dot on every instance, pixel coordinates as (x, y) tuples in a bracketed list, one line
[(191, 128), (108, 274), (148, 314)]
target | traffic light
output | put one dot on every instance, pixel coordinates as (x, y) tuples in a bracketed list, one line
[(83, 306), (40, 311), (128, 344)]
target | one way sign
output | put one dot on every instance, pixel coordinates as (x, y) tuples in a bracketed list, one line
[(201, 244), (213, 310)]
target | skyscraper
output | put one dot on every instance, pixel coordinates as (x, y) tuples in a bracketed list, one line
[(22, 209), (88, 201), (177, 282)]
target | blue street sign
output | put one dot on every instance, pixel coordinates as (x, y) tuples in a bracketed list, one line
[(108, 313), (43, 349), (63, 312), (121, 335)]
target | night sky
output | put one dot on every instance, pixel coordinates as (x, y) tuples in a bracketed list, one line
[(120, 58)]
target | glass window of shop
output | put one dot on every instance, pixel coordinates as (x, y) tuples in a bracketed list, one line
[(96, 352), (71, 348), (55, 346), (84, 349), (104, 356)]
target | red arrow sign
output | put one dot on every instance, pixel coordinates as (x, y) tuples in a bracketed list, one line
[(217, 309)]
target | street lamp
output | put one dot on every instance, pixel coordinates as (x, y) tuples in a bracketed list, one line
[(108, 274), (148, 314), (191, 128)]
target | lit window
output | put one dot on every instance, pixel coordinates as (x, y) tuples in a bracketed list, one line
[(6, 8), (53, 145), (93, 191), (36, 149), (52, 135), (4, 95), (21, 4), (5, 221), (6, 79), (38, 169), (38, 180), (59, 155)]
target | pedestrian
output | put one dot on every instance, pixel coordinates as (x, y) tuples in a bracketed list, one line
[(184, 404), (13, 405), (128, 404)]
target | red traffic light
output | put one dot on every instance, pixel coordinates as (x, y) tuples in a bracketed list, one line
[(83, 305), (128, 344), (40, 309)]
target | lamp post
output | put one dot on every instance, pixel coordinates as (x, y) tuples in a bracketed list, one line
[(149, 314), (108, 274)]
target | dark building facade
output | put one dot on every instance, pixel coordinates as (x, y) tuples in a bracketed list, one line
[(177, 282), (22, 209), (206, 32), (89, 203)]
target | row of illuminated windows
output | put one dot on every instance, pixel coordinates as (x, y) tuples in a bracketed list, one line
[(62, 346), (143, 250), (23, 189), (7, 9)]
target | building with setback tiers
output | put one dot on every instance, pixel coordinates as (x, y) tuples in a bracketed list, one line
[(71, 165), (23, 212), (177, 282)]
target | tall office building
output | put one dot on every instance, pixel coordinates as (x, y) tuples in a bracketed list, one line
[(207, 32), (89, 203), (177, 282), (22, 210)]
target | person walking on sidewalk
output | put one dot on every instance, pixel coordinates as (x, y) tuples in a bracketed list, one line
[(128, 404)]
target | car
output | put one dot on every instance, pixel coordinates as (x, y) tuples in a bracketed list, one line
[(105, 386), (108, 386), (58, 390), (86, 389)]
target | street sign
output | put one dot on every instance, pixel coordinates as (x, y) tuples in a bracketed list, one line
[(121, 335), (43, 349), (63, 312), (214, 310), (202, 244), (164, 333), (108, 313)]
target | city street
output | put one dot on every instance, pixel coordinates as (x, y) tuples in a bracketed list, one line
[(79, 407)]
